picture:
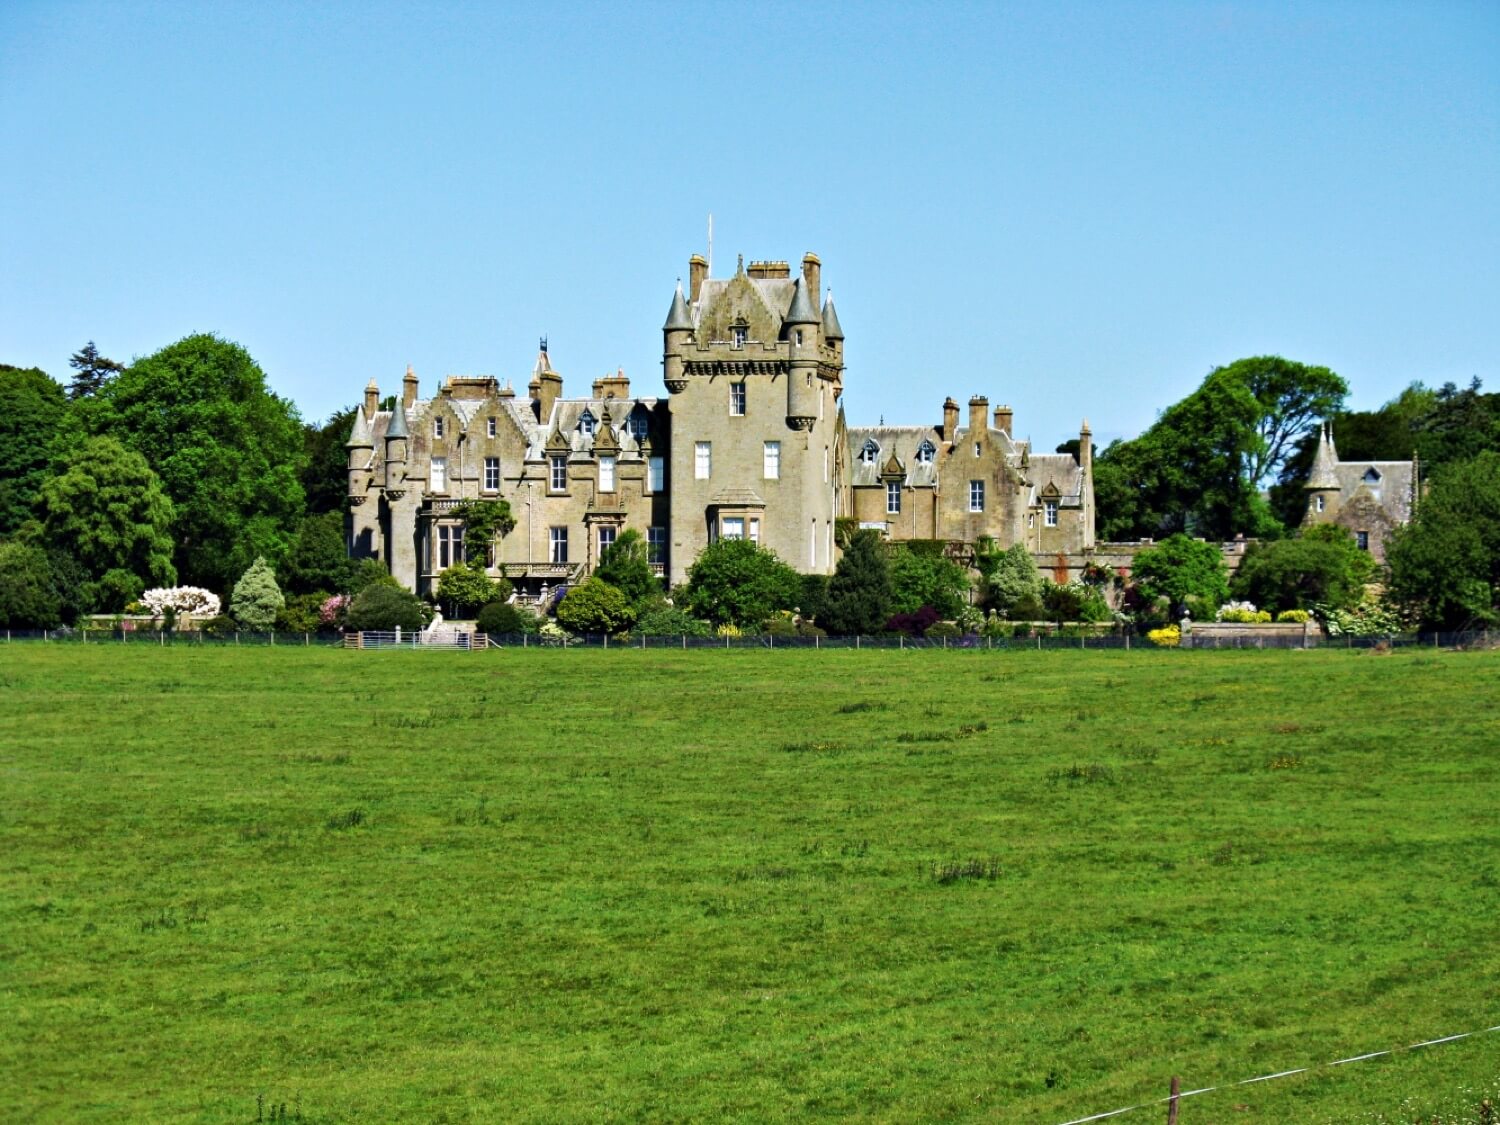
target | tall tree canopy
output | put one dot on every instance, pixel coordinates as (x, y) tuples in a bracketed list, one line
[(1446, 562), (1293, 398), (34, 405), (325, 480), (108, 510), (860, 593), (229, 452), (90, 371)]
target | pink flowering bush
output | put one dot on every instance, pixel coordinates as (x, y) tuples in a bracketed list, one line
[(333, 611), (185, 601)]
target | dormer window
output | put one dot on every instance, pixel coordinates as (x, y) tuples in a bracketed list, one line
[(868, 452), (437, 427), (586, 423), (1372, 476), (637, 425), (737, 336), (925, 453)]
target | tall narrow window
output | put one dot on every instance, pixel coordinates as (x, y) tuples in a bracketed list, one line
[(1049, 513), (489, 427), (656, 474), (976, 496), (892, 497), (812, 545), (737, 398), (557, 544), (737, 336), (559, 473), (869, 451), (437, 477), (703, 452), (437, 427), (450, 543), (492, 474), (606, 539), (1319, 503), (606, 474), (656, 544), (754, 530), (771, 461), (825, 464), (1362, 540)]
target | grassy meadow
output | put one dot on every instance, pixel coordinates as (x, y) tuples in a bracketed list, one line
[(747, 885)]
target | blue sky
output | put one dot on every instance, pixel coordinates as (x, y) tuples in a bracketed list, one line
[(1075, 209)]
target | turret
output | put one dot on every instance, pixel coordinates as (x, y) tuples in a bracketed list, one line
[(676, 333), (833, 332), (1322, 485), (801, 329), (1085, 448), (395, 448), (361, 445)]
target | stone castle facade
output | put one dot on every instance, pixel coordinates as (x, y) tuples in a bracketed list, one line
[(749, 441), (1369, 499)]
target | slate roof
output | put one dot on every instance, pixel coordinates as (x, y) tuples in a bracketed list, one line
[(1060, 471), (901, 442), (1392, 491)]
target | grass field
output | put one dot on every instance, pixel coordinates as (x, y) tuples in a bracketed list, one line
[(643, 886)]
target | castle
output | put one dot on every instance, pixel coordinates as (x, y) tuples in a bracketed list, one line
[(1367, 498), (748, 442)]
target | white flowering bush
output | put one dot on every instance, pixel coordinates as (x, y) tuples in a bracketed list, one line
[(1243, 613), (189, 601)]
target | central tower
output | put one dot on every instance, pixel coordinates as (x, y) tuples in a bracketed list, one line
[(754, 369)]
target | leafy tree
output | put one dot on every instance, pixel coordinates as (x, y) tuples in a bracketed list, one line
[(114, 590), (28, 598), (1293, 398), (860, 593), (465, 587), (91, 371), (919, 579), (256, 599), (663, 620), (1178, 568), (594, 606), (1073, 601), (1189, 471), (1463, 423), (107, 508), (34, 408), (385, 604), (368, 572), (1446, 562), (502, 617), (1008, 577), (1321, 566), (320, 561), (813, 600), (325, 476), (228, 451), (737, 582), (301, 613), (626, 566)]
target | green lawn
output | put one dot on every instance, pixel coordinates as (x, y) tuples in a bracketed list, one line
[(626, 886)]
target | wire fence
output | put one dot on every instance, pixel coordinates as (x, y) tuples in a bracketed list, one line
[(461, 640)]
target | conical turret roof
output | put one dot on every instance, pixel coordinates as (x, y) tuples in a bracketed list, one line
[(678, 317), (397, 428), (1325, 464), (831, 327), (802, 311), (359, 435)]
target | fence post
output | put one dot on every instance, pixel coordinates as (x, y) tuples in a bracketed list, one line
[(305, 640), (606, 640), (684, 642), (1173, 1099), (817, 642), (856, 640), (902, 643), (772, 638)]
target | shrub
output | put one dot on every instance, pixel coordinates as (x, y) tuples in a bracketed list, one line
[(28, 598), (1180, 568), (943, 629), (301, 614), (735, 581), (192, 601), (626, 565), (367, 572), (1294, 617), (503, 617), (256, 599), (114, 590), (1009, 580), (1168, 637), (594, 606), (465, 587), (860, 593), (913, 624), (663, 620), (220, 625), (334, 611), (1028, 607), (922, 575), (383, 606)]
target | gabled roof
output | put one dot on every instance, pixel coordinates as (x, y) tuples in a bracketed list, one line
[(896, 443)]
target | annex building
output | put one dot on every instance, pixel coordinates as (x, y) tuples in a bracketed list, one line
[(746, 440), (1370, 499)]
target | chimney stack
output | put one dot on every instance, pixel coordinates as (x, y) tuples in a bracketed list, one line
[(409, 387), (372, 399), (1004, 419), (950, 419), (978, 407), (812, 273), (697, 271)]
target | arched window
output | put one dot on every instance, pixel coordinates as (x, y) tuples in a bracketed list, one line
[(869, 451), (925, 453)]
